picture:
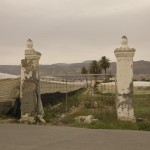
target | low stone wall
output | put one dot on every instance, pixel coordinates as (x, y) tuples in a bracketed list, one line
[(9, 91)]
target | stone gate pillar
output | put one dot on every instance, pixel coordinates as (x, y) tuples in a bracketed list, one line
[(31, 105), (124, 105)]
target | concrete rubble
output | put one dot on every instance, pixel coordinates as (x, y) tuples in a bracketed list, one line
[(85, 119)]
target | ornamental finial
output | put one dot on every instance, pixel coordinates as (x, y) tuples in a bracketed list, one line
[(29, 44), (124, 41)]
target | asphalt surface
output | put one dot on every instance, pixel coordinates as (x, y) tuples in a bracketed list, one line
[(35, 137)]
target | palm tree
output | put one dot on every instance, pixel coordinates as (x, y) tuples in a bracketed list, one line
[(104, 63), (95, 69), (84, 70)]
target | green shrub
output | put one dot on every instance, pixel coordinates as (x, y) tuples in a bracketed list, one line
[(88, 104), (73, 101)]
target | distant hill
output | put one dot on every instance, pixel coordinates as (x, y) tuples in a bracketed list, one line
[(10, 69), (63, 69), (141, 68)]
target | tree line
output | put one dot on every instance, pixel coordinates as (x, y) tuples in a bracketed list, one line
[(96, 67)]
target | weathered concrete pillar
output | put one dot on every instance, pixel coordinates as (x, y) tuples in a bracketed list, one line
[(31, 105), (124, 105)]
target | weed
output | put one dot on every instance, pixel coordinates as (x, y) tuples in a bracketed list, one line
[(3, 116)]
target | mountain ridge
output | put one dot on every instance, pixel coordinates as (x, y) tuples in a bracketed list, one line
[(141, 67)]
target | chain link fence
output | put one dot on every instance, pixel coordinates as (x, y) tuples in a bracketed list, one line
[(56, 89)]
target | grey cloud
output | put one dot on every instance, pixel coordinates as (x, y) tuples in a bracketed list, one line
[(73, 31)]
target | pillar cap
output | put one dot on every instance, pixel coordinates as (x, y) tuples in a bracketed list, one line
[(124, 45), (124, 53), (30, 53)]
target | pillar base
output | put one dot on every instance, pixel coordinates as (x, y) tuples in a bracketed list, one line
[(27, 118), (125, 112)]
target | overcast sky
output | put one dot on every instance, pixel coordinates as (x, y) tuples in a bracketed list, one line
[(68, 31)]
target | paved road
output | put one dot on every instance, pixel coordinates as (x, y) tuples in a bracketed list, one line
[(32, 137)]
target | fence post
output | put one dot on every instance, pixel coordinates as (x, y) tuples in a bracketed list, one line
[(124, 105)]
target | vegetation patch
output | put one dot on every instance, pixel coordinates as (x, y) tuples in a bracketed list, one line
[(102, 108), (100, 105)]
